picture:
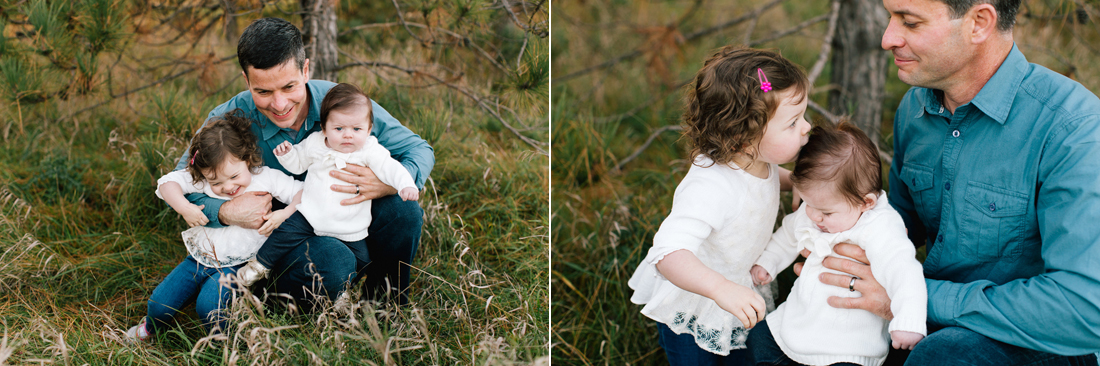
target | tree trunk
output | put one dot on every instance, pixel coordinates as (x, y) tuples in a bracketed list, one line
[(860, 65), (319, 36)]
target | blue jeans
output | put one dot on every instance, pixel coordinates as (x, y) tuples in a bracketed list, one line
[(682, 350), (190, 282), (961, 346), (322, 265), (765, 351)]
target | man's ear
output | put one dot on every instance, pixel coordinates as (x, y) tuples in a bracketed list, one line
[(869, 202), (305, 69), (246, 83), (984, 20)]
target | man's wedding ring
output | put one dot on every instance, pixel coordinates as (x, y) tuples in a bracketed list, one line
[(357, 193), (852, 284)]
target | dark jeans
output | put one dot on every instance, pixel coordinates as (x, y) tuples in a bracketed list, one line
[(321, 265), (682, 350), (190, 282), (960, 346), (766, 352)]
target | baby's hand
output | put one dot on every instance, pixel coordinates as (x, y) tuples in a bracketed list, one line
[(283, 148), (274, 219), (194, 216), (760, 275), (742, 302), (905, 340), (409, 194)]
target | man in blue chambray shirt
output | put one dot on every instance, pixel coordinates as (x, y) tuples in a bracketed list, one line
[(997, 170), (285, 105)]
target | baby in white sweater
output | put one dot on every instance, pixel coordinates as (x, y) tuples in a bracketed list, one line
[(345, 138), (838, 174)]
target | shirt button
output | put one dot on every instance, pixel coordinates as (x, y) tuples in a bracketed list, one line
[(993, 207), (947, 186), (955, 133), (939, 238)]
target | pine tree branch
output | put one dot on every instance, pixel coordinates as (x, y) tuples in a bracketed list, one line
[(481, 101)]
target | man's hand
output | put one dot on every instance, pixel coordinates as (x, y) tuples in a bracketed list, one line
[(874, 297), (361, 179), (742, 302), (905, 340), (247, 210)]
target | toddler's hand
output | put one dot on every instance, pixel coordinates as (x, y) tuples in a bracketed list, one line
[(905, 340), (742, 302), (274, 219), (283, 148), (760, 275), (194, 216), (409, 194)]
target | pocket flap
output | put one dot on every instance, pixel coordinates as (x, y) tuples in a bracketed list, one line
[(918, 179), (996, 202)]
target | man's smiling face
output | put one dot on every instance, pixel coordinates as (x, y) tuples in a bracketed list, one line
[(280, 92)]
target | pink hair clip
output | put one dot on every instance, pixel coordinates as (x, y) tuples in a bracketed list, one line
[(764, 84), (192, 162)]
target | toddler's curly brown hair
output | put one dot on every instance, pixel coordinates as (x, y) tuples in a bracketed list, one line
[(225, 136), (726, 111)]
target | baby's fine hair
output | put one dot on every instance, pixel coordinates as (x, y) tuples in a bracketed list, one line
[(841, 155), (225, 136), (726, 111), (343, 96)]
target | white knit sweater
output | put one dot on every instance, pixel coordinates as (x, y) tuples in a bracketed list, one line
[(320, 204), (229, 245), (809, 330), (724, 216)]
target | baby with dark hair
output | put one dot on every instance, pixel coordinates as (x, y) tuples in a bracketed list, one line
[(839, 176)]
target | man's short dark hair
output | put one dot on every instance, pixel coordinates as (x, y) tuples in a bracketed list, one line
[(269, 42), (1006, 10)]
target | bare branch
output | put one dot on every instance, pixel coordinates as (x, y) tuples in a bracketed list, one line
[(401, 16), (826, 44), (481, 101), (146, 86), (644, 105), (792, 30), (690, 37), (462, 40), (618, 167)]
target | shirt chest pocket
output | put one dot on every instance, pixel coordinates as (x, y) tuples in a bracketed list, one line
[(993, 222), (919, 180)]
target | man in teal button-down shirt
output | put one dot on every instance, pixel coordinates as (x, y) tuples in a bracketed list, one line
[(285, 106), (997, 170)]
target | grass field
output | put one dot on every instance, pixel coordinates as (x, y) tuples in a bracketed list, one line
[(606, 209), (83, 239)]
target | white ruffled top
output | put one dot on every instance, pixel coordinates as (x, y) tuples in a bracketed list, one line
[(811, 332), (229, 245), (725, 217), (320, 204)]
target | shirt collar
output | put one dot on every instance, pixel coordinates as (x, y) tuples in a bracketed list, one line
[(995, 98), (313, 117)]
